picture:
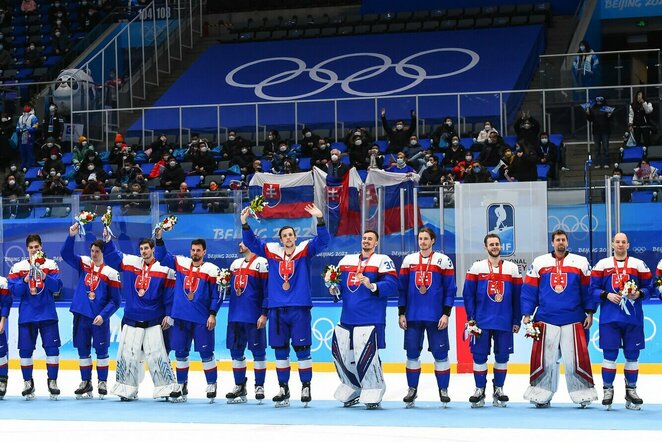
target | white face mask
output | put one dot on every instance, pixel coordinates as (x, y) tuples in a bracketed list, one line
[(90, 167), (49, 144), (244, 150), (52, 173), (323, 146), (172, 164), (488, 128), (231, 138), (334, 157), (399, 126), (53, 157), (413, 142), (309, 134), (12, 182), (400, 161), (429, 163), (358, 142), (271, 137), (84, 143), (544, 140), (357, 133), (467, 158), (4, 120), (13, 168), (52, 108), (203, 149), (456, 143)]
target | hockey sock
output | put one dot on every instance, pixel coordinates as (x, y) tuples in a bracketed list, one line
[(85, 368), (283, 364), (4, 366), (26, 364), (102, 366), (500, 369), (53, 366), (239, 369), (413, 372), (442, 371), (305, 365), (608, 372), (209, 366), (182, 365), (259, 366), (631, 373)]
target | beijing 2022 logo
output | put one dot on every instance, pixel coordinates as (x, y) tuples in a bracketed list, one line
[(501, 220)]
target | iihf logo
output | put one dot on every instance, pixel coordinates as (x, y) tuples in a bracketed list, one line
[(501, 220)]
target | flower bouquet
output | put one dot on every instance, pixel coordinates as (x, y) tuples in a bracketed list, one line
[(257, 205), (628, 290), (471, 330), (84, 217), (107, 219), (223, 280), (532, 331), (331, 277), (166, 225)]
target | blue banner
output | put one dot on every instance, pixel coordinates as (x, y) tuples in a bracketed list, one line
[(615, 9)]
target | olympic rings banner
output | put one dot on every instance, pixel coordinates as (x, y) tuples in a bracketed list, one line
[(350, 67)]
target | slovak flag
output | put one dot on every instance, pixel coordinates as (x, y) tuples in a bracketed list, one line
[(341, 198), (391, 183), (286, 195)]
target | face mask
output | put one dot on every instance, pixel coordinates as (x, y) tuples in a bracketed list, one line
[(477, 169), (12, 182), (400, 161), (467, 158), (203, 149), (334, 157), (49, 144), (163, 140), (53, 157), (13, 168), (283, 148), (615, 176), (527, 126), (582, 48), (456, 143), (32, 48), (399, 127), (134, 193), (52, 173), (84, 143), (323, 146), (358, 142), (52, 108), (449, 123), (244, 150), (309, 134), (429, 163), (231, 138), (257, 168), (118, 145), (172, 164), (90, 167), (413, 142), (57, 34), (488, 128), (127, 168), (271, 137), (544, 140)]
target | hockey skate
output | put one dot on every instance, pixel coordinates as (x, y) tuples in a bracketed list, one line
[(3, 386), (52, 389), (410, 398), (544, 405), (305, 394), (84, 390), (499, 399), (102, 388), (282, 399), (28, 389), (259, 394), (608, 397), (211, 392), (176, 395), (632, 399), (352, 402), (184, 389), (443, 397), (238, 394), (478, 398)]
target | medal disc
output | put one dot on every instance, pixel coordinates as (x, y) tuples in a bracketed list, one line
[(286, 285), (92, 296), (141, 292), (422, 290), (558, 288), (239, 291)]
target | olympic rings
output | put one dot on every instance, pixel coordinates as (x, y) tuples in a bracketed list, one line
[(322, 338), (403, 68), (572, 223)]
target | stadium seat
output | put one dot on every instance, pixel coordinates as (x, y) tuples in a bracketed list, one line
[(657, 165), (430, 25), (632, 154), (339, 145), (304, 163), (643, 196), (627, 168), (383, 145), (379, 28), (193, 181), (396, 27), (654, 152), (425, 142), (483, 22), (266, 165), (519, 20), (543, 172)]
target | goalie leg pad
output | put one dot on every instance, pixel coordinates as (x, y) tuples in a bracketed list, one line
[(158, 362), (368, 365), (343, 358), (544, 365), (130, 368), (578, 373)]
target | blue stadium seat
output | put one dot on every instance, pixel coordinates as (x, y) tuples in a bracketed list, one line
[(657, 165), (146, 168), (193, 181), (556, 139), (510, 139), (35, 186), (627, 180), (642, 196), (340, 146), (345, 160), (467, 142), (632, 154), (424, 142), (67, 158), (266, 165), (440, 156), (383, 145), (543, 172), (304, 163), (32, 173)]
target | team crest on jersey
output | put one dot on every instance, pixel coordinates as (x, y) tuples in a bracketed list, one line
[(617, 280), (271, 193), (191, 283), (495, 290), (353, 282), (558, 281), (333, 196), (92, 281), (286, 269), (423, 279), (142, 282), (240, 282)]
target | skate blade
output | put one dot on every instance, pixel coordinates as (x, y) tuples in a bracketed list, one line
[(305, 404), (480, 404), (631, 406), (101, 396), (351, 403), (607, 407), (497, 403), (29, 397), (259, 401), (411, 404), (282, 404), (211, 399), (84, 396), (237, 400), (53, 397), (373, 406), (176, 400)]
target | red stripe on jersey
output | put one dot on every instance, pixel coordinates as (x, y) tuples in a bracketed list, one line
[(564, 269), (532, 280)]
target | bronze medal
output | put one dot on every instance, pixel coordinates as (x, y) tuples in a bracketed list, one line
[(239, 291), (286, 285), (92, 296), (141, 292), (190, 296), (558, 288), (422, 290), (498, 297), (33, 291)]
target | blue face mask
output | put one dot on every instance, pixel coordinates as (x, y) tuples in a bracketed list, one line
[(477, 169)]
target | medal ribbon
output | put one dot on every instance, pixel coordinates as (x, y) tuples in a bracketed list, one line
[(287, 258), (619, 276), (143, 275), (92, 274), (427, 267), (241, 271), (491, 276), (360, 267)]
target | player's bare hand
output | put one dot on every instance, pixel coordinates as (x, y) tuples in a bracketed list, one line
[(588, 321), (614, 297), (245, 213), (2, 324), (158, 233), (98, 320), (105, 234), (211, 322), (366, 282), (73, 230), (313, 210), (261, 322), (515, 328), (526, 319), (166, 323), (402, 322), (443, 322)]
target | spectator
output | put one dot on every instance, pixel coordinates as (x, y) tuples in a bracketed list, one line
[(600, 116), (289, 166), (334, 168), (82, 150), (639, 123), (355, 134), (113, 85), (524, 166), (83, 9), (60, 42), (53, 162), (5, 16), (375, 159), (94, 193), (443, 134), (160, 165), (18, 174), (215, 200), (453, 155), (284, 152), (488, 129), (204, 162), (180, 201), (54, 189), (47, 148), (33, 57), (461, 167), (476, 173), (400, 165), (547, 153), (13, 194), (7, 146), (86, 169), (415, 154), (433, 174), (358, 152), (271, 145), (135, 202), (398, 136), (156, 149), (28, 6), (26, 129), (126, 175), (584, 66), (62, 26), (493, 150), (53, 123), (55, 11), (172, 176), (6, 59), (321, 154), (120, 151), (232, 146), (244, 159), (644, 173), (309, 142), (90, 20), (527, 129)]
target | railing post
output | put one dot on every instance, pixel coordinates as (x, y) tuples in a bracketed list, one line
[(608, 215), (442, 221), (402, 218)]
